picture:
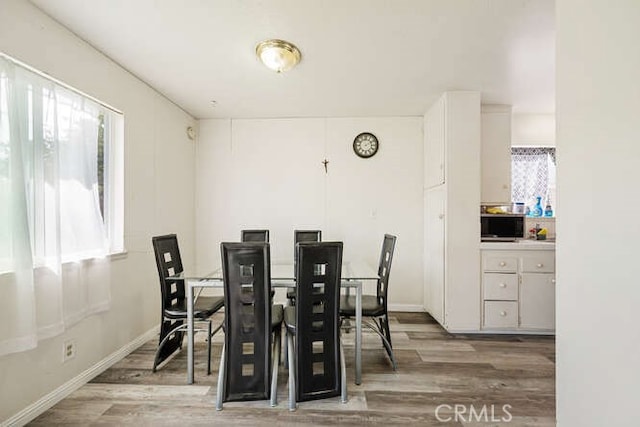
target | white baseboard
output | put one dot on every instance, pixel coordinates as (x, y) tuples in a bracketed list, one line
[(46, 402), (406, 307)]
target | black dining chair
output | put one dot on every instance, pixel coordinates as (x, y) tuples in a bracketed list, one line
[(375, 306), (254, 236), (252, 325), (173, 312), (301, 236), (316, 358)]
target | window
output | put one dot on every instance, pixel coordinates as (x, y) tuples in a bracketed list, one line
[(61, 168), (533, 173)]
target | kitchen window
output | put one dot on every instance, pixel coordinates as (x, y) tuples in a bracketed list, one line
[(533, 173)]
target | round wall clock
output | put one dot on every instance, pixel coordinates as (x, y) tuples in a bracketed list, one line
[(365, 145)]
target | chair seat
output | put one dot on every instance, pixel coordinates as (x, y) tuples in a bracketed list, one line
[(204, 307), (371, 306)]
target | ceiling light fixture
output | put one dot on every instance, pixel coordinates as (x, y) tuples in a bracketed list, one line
[(278, 55)]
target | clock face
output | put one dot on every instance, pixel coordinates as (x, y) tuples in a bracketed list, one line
[(365, 145)]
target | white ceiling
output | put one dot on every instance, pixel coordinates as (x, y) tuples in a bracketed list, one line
[(359, 57)]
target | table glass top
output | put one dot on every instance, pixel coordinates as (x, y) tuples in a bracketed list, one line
[(351, 270)]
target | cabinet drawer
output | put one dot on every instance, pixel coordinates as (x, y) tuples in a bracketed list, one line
[(500, 286), (539, 263), (499, 263), (500, 314)]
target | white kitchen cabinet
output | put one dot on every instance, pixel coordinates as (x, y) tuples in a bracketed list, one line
[(496, 154), (518, 287), (500, 314), (538, 290), (500, 286), (537, 301), (452, 200), (499, 262), (435, 122), (499, 290), (538, 262), (434, 295)]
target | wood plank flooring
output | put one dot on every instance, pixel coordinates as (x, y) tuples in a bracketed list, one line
[(439, 375)]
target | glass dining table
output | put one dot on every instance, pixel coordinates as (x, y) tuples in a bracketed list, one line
[(282, 276)]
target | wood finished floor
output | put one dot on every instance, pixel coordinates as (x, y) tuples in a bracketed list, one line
[(435, 368)]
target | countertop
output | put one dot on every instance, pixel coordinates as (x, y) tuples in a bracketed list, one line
[(520, 245)]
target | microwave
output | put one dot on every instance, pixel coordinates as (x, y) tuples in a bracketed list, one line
[(501, 227)]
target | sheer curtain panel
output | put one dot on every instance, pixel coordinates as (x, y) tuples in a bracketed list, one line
[(50, 209), (533, 173)]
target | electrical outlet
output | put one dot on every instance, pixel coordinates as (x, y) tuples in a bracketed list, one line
[(68, 350)]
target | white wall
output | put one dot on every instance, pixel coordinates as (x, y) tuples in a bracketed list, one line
[(537, 130), (159, 198), (269, 174), (598, 293)]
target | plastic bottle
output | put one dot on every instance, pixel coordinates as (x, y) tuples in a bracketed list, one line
[(548, 211), (537, 209)]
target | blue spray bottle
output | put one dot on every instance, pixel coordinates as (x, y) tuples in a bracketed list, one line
[(537, 209)]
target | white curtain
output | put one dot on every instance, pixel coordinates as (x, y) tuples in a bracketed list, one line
[(50, 214), (533, 174)]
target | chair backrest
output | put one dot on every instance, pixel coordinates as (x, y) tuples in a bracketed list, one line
[(247, 285), (169, 262), (306, 236), (318, 275), (254, 236), (384, 267)]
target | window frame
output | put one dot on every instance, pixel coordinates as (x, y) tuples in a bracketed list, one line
[(113, 178), (551, 192)]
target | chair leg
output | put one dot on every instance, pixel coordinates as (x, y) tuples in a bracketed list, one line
[(286, 349), (280, 345), (276, 365), (387, 330), (375, 328), (180, 329), (220, 390), (387, 333), (166, 338), (343, 374), (209, 349), (292, 380)]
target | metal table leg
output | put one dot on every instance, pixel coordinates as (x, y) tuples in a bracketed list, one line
[(358, 332), (189, 333)]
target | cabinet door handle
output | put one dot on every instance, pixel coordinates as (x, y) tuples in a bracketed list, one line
[(503, 313), (502, 263), (441, 216), (503, 285), (540, 265), (553, 281)]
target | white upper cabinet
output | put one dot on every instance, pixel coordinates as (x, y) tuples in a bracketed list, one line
[(496, 154), (452, 200), (434, 144)]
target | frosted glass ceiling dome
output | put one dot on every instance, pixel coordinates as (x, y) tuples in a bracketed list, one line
[(278, 55)]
